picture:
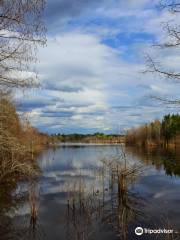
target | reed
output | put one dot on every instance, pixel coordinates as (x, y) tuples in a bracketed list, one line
[(33, 202), (108, 200)]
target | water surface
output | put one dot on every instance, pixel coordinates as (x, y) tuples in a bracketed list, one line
[(152, 200)]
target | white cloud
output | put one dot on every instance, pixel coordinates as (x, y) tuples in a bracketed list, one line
[(87, 84)]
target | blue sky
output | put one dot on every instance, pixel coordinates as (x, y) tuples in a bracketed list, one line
[(91, 69)]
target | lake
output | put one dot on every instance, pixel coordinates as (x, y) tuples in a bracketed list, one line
[(77, 196)]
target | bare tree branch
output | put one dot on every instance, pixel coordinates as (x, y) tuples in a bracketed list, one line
[(154, 68), (173, 33), (21, 30), (166, 100), (171, 5)]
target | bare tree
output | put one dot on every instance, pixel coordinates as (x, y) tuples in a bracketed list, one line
[(21, 30), (172, 31)]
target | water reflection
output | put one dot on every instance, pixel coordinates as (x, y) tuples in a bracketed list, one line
[(93, 192), (112, 204), (161, 159)]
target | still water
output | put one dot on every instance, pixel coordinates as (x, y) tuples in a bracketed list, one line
[(77, 198)]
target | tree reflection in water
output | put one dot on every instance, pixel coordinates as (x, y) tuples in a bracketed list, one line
[(167, 159)]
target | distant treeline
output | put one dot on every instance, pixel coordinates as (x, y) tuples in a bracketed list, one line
[(163, 133), (88, 138)]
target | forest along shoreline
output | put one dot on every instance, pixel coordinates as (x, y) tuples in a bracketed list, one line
[(20, 145), (163, 134)]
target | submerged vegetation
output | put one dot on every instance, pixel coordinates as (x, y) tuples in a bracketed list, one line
[(108, 200), (165, 133)]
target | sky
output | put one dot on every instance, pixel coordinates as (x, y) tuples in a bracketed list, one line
[(91, 70)]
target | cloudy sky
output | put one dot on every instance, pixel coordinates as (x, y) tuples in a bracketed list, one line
[(91, 69)]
